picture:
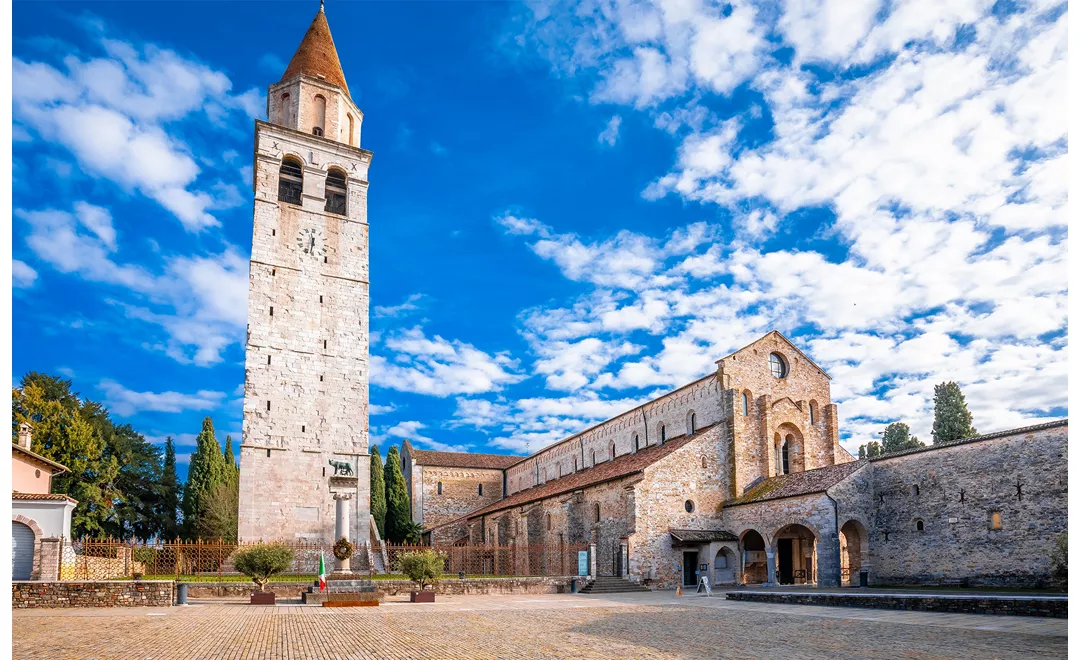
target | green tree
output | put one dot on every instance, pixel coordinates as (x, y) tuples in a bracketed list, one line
[(263, 561), (398, 514), (898, 438), (871, 449), (170, 494), (63, 433), (952, 421), (378, 492), (206, 472), (220, 513), (423, 567)]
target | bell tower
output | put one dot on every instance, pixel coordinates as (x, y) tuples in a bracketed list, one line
[(305, 437)]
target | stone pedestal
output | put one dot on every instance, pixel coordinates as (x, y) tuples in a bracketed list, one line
[(341, 528)]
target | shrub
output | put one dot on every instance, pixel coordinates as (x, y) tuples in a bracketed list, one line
[(261, 562), (421, 566), (1059, 562)]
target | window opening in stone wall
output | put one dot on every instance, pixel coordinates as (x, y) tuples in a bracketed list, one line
[(548, 520), (961, 494), (881, 498), (320, 378), (596, 513), (324, 343), (613, 451), (438, 488), (273, 232), (995, 520), (303, 428), (777, 366), (267, 406), (784, 456), (704, 462), (919, 526), (290, 182), (915, 490), (320, 300), (324, 472), (271, 310), (268, 453), (480, 489), (593, 456), (885, 534), (693, 423), (326, 260), (335, 192), (273, 271), (663, 433), (320, 114), (689, 506), (637, 442), (267, 359), (813, 413), (317, 132), (745, 404)]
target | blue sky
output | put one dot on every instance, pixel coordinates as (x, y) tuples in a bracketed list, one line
[(574, 206)]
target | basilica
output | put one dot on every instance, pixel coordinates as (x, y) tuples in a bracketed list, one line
[(738, 476)]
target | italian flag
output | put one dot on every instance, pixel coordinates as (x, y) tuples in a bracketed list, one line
[(322, 574)]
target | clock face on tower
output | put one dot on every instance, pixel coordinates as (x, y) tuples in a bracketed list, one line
[(310, 242)]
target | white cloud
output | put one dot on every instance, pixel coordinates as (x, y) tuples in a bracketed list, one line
[(411, 431), (610, 134), (125, 403), (22, 275), (394, 311), (439, 367)]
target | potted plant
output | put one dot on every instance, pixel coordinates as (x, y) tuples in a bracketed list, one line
[(423, 567), (260, 562)]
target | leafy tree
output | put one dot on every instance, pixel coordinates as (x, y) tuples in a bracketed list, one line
[(871, 449), (898, 438), (398, 514), (170, 494), (263, 561), (219, 517), (952, 421), (230, 458), (63, 433), (378, 492), (206, 472), (422, 566)]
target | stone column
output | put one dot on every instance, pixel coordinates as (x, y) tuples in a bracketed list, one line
[(341, 527), (592, 560), (770, 564)]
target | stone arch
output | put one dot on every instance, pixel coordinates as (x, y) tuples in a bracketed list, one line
[(35, 571), (725, 566), (854, 551), (691, 422), (789, 436), (796, 553), (755, 557), (815, 412), (319, 126), (291, 179), (747, 400), (661, 432)]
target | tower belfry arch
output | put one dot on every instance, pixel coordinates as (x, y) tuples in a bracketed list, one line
[(306, 356)]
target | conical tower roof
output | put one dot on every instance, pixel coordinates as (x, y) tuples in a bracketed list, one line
[(317, 55)]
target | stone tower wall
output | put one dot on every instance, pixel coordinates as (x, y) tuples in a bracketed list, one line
[(306, 375)]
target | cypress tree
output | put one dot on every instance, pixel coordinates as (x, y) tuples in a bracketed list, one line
[(206, 472), (378, 492), (952, 421), (170, 496), (230, 458), (398, 515)]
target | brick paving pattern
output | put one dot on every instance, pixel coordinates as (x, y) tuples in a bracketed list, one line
[(645, 626)]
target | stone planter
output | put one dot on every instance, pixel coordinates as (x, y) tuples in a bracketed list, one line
[(422, 597), (263, 598)]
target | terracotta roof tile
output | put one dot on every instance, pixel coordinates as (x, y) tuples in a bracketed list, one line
[(622, 466), (797, 483), (317, 56), (16, 495), (701, 535), (38, 457), (462, 459)]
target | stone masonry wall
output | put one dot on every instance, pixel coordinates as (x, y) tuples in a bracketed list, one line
[(306, 375), (460, 494), (959, 488), (778, 407), (634, 429), (92, 594), (696, 472)]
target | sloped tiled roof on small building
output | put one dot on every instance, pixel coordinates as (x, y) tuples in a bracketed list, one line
[(685, 536), (26, 453), (462, 459), (797, 483), (16, 495)]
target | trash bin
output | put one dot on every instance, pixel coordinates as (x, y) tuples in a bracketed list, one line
[(181, 593), (573, 585), (864, 578)]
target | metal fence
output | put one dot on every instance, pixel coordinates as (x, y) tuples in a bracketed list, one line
[(212, 561)]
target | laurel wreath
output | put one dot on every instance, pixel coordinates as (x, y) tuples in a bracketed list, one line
[(343, 549)]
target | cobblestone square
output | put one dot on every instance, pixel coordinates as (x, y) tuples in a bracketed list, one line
[(656, 625)]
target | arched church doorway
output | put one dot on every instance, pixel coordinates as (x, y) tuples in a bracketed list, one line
[(854, 551), (22, 551), (755, 568), (724, 567), (796, 555)]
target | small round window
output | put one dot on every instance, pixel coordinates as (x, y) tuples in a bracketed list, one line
[(777, 365), (37, 473), (689, 506)]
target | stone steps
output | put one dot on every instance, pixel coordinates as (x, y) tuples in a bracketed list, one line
[(612, 585)]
